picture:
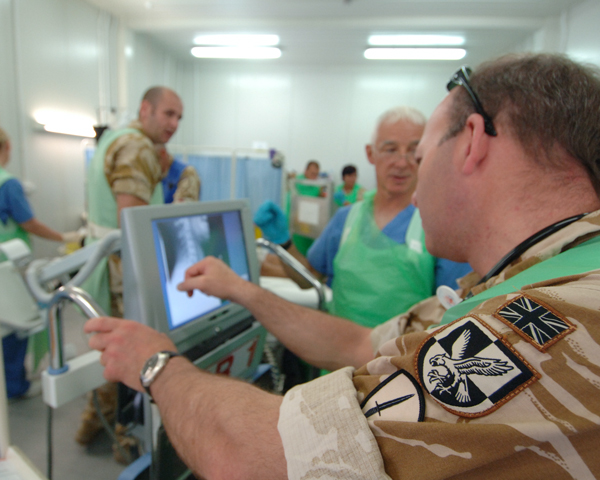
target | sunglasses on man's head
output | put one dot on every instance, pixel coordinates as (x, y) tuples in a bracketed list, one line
[(461, 77)]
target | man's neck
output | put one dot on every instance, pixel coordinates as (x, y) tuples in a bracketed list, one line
[(137, 124), (522, 228), (509, 196), (386, 207)]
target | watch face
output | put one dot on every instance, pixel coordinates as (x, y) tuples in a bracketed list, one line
[(150, 368), (154, 365), (151, 363)]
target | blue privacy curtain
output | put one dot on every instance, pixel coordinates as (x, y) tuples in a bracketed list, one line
[(257, 180), (215, 175)]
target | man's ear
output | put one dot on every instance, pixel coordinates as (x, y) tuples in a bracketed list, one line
[(369, 152), (145, 108), (477, 143)]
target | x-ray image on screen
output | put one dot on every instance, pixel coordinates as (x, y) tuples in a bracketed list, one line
[(181, 242)]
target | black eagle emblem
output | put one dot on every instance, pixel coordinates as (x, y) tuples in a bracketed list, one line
[(451, 373)]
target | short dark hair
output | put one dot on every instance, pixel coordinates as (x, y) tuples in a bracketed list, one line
[(348, 170), (545, 101), (312, 162)]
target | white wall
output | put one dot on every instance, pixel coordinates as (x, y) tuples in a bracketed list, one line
[(9, 104), (583, 39), (65, 54), (307, 112), (313, 112), (57, 58), (574, 33)]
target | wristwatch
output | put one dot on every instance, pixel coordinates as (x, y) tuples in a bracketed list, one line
[(153, 366)]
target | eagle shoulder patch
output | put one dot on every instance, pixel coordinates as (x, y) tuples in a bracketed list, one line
[(468, 369), (397, 398), (535, 321)]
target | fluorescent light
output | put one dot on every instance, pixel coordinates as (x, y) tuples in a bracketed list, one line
[(66, 123), (72, 129), (415, 40), (415, 53), (238, 40), (236, 52)]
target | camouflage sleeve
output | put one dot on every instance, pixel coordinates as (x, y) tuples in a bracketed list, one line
[(420, 317), (132, 167), (324, 433), (188, 188), (509, 391)]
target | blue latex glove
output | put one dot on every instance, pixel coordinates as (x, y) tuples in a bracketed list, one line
[(339, 198), (271, 220)]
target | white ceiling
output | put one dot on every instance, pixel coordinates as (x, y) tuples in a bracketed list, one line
[(335, 31)]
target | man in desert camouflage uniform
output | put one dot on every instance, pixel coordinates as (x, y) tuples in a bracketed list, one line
[(181, 182), (124, 172), (506, 387)]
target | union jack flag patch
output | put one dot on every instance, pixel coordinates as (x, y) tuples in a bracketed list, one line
[(534, 321)]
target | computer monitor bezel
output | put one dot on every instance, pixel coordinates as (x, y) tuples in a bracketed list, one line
[(142, 289)]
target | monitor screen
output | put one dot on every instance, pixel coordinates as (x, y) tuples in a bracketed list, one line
[(158, 245), (179, 242)]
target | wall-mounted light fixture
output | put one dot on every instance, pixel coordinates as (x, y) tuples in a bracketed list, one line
[(65, 123), (244, 46)]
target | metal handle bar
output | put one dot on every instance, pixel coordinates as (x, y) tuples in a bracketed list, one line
[(84, 260), (80, 298), (293, 263)]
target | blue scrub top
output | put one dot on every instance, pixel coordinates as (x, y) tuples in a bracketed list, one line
[(324, 249), (13, 202)]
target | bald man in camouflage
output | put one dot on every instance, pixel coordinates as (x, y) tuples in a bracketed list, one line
[(124, 172)]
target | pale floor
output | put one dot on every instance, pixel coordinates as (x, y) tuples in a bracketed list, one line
[(28, 428)]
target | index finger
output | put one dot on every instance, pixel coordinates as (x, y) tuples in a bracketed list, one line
[(196, 269), (100, 324)]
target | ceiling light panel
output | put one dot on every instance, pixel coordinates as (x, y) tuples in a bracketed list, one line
[(415, 40), (414, 53), (238, 40), (237, 52)]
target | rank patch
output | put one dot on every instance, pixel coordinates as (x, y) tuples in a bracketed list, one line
[(398, 397), (534, 321), (469, 370)]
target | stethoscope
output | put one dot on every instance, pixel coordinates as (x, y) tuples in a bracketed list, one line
[(448, 297)]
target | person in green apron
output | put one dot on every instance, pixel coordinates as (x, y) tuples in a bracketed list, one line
[(311, 172), (124, 172), (18, 221), (373, 252), (349, 191)]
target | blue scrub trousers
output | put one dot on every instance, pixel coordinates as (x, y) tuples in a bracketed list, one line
[(15, 350)]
